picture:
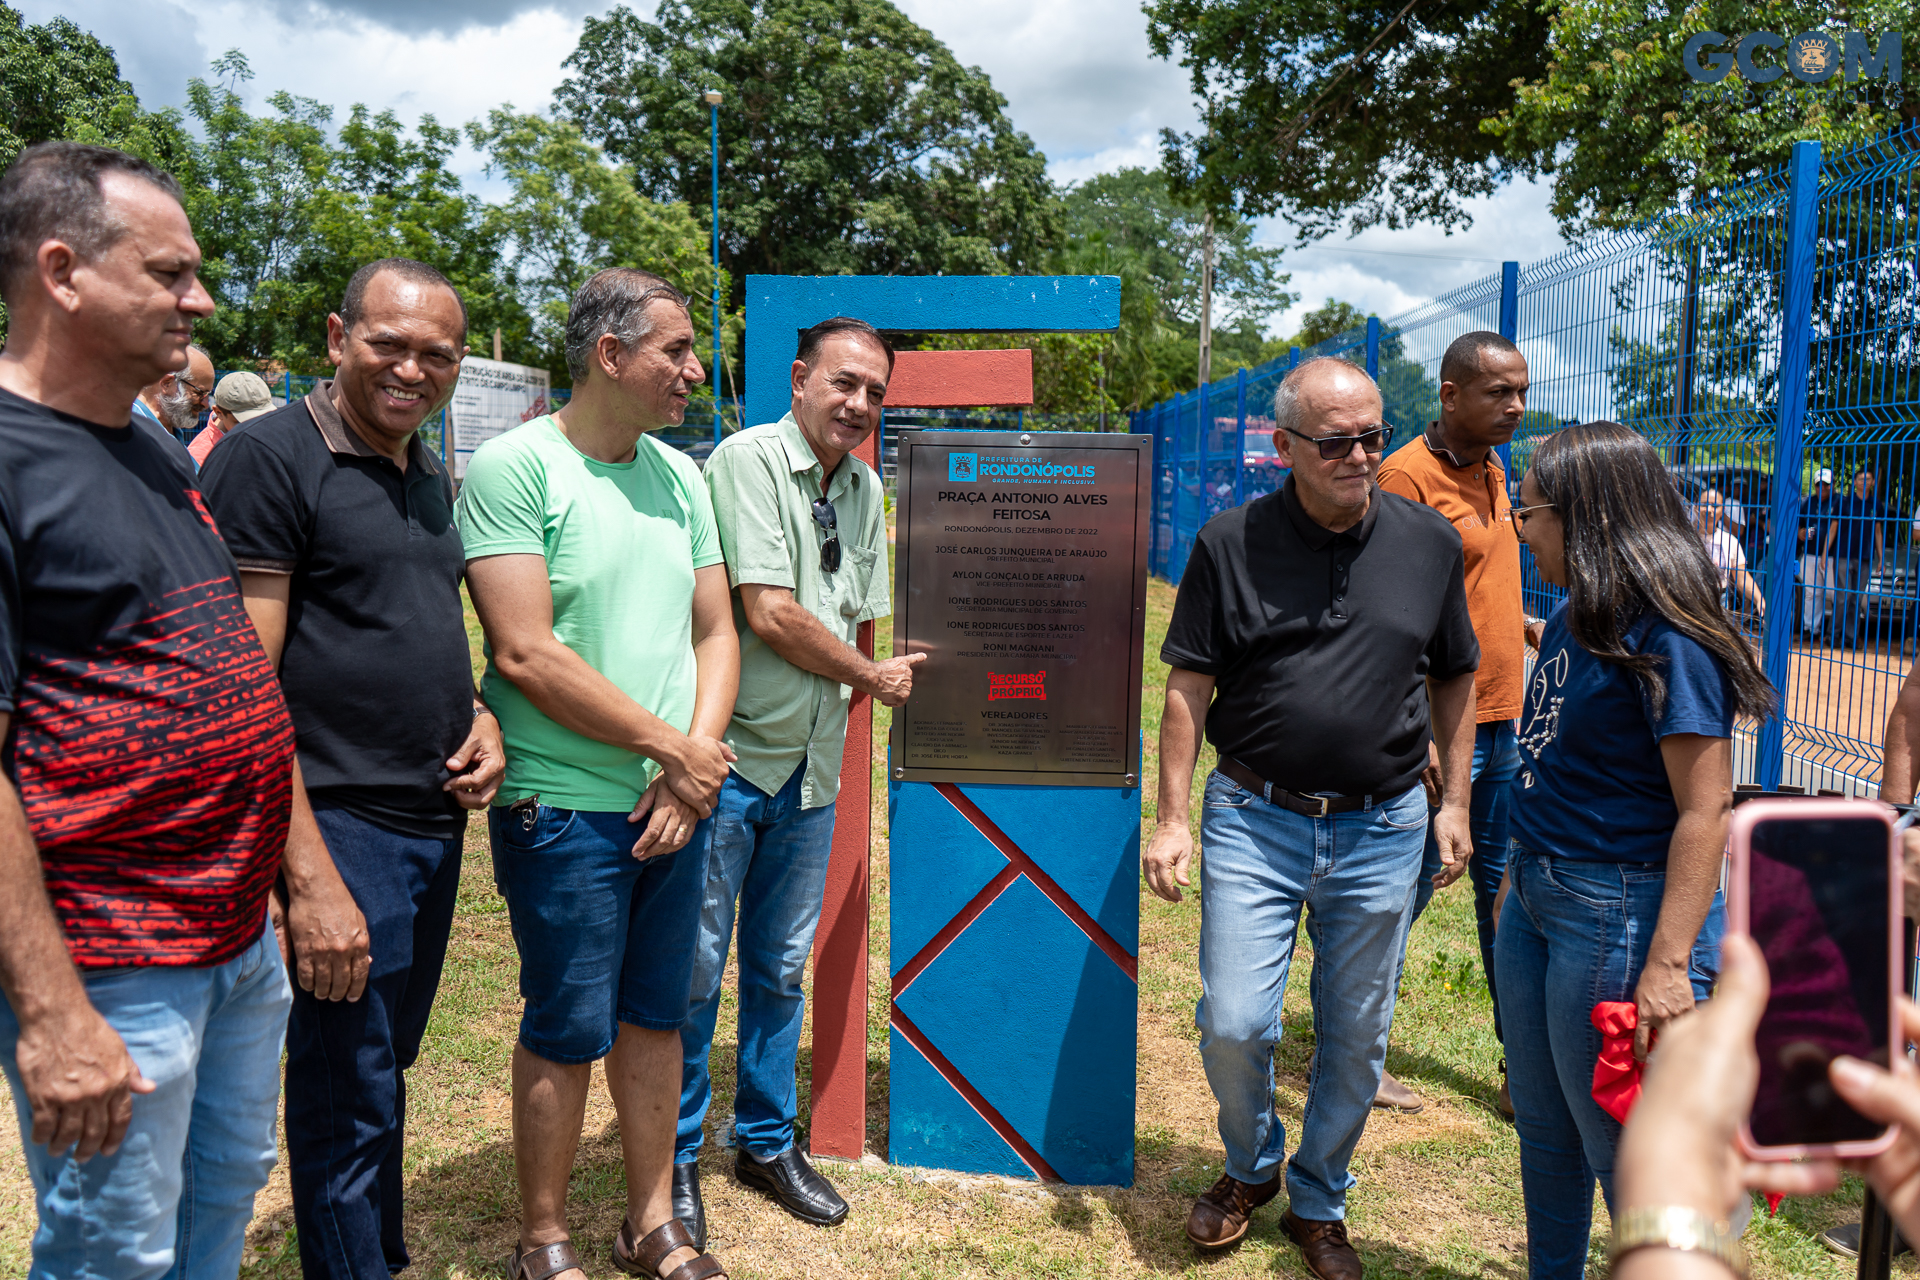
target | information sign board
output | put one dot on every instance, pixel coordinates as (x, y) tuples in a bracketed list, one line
[(1021, 572), (493, 396)]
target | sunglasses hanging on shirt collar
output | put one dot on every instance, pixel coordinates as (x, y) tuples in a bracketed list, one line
[(823, 515)]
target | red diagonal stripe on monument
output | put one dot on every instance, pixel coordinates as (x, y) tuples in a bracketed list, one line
[(951, 1074), (1041, 880), (953, 928)]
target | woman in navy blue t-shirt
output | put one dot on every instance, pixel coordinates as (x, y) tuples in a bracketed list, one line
[(1620, 810)]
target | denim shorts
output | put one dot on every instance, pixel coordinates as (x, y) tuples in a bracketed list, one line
[(604, 938)]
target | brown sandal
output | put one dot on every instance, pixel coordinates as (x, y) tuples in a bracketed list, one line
[(553, 1258), (643, 1258)]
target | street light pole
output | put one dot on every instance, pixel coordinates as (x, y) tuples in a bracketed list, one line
[(712, 99)]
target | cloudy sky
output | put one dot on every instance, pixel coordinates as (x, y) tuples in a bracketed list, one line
[(1077, 75)]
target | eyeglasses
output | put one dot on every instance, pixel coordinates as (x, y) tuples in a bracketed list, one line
[(1520, 514), (1334, 448), (829, 523), (199, 392)]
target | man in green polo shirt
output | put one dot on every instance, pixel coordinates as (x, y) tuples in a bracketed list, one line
[(803, 526), (595, 567)]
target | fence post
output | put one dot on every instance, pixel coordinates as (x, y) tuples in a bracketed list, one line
[(1202, 429), (1240, 437), (1796, 337), (1510, 330), (1174, 490), (1373, 347), (1293, 357)]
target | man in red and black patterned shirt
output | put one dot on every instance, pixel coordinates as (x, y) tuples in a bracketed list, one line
[(147, 757)]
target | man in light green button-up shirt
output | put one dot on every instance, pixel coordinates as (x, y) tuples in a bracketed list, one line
[(803, 527)]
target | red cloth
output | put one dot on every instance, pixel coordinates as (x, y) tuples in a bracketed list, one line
[(1616, 1073)]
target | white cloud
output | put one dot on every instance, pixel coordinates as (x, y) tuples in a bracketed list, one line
[(1387, 272), (1077, 75), (336, 58)]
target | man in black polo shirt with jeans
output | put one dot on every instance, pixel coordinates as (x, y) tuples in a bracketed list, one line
[(1312, 627), (341, 521)]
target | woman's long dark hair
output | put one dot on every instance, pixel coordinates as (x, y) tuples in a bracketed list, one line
[(1631, 548)]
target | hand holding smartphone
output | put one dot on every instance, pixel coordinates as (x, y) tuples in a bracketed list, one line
[(1817, 884)]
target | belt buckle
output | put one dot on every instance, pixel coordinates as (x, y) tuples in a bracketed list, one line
[(1324, 810)]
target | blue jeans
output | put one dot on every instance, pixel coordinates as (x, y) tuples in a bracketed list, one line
[(1496, 760), (346, 1091), (1354, 874), (174, 1201), (1573, 934), (603, 937), (770, 855)]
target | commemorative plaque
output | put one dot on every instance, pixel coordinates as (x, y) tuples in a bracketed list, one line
[(1021, 572)]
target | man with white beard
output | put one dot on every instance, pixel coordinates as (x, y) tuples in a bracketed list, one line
[(177, 400)]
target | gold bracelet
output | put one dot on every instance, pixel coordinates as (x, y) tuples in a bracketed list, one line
[(1675, 1227)]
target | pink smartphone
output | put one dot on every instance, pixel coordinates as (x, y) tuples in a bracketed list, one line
[(1817, 884)]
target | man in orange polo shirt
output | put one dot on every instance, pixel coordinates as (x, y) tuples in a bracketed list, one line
[(1453, 469)]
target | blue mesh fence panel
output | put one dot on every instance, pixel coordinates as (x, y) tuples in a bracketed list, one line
[(1676, 329)]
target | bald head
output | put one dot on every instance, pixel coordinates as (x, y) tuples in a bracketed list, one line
[(1329, 397), (1314, 384), (178, 399)]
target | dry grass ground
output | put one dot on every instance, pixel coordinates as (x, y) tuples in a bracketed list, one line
[(1438, 1196)]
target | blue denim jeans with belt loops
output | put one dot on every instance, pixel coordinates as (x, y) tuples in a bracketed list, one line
[(1352, 875), (1572, 934), (173, 1203)]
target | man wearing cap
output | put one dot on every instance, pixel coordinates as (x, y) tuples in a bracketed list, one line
[(341, 521), (1816, 567), (239, 397)]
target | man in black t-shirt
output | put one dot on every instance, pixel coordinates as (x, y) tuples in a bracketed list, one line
[(148, 755), (342, 523), (1312, 628)]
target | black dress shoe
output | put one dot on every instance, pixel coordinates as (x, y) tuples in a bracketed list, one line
[(1845, 1241), (791, 1181), (687, 1205)]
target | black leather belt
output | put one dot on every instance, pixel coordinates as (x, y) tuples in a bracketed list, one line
[(1311, 806)]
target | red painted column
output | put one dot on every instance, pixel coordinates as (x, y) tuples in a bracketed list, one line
[(839, 1084)]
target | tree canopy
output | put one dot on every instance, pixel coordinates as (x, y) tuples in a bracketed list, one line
[(1364, 114), (1628, 135), (286, 205), (851, 139)]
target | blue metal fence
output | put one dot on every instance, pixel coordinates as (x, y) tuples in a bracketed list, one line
[(1759, 339)]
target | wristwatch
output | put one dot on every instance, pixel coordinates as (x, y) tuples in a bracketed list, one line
[(1679, 1228)]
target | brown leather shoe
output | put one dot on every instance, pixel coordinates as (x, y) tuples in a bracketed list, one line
[(1219, 1218), (1394, 1096), (1328, 1254), (1504, 1100)]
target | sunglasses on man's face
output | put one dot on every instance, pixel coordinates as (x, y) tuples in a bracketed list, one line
[(1334, 448), (823, 515)]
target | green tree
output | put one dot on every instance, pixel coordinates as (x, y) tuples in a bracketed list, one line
[(1160, 234), (571, 214), (1130, 224), (1411, 398), (286, 213), (1364, 113), (57, 81), (1635, 137), (851, 139)]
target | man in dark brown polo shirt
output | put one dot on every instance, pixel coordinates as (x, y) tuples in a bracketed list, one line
[(341, 520)]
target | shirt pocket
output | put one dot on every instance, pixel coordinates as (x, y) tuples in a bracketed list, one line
[(854, 580)]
